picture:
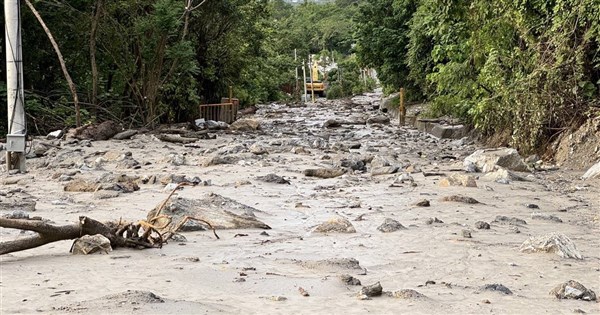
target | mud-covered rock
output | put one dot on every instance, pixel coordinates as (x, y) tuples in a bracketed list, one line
[(390, 225), (496, 287), (349, 280), (371, 290), (90, 244), (335, 225), (458, 180), (573, 290), (408, 294), (324, 172), (273, 178), (486, 160), (481, 225), (460, 198), (245, 125), (557, 243)]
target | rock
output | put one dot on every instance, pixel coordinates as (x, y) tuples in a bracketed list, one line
[(17, 214), (592, 172), (278, 298), (354, 164), (89, 244), (384, 170), (221, 212), (379, 161), (497, 288), (106, 194), (332, 123), (408, 294), (546, 217), (481, 225), (448, 131), (40, 149), (552, 243), (272, 178), (458, 180), (335, 225), (423, 203), (381, 119), (245, 125), (258, 149), (433, 220), (466, 234), (390, 225), (176, 159), (460, 198), (127, 134), (506, 220), (80, 185), (371, 290), (324, 172), (486, 160), (332, 264), (55, 135), (349, 280), (514, 229), (503, 176), (17, 204), (573, 290)]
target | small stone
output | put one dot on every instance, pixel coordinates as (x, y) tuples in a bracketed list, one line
[(573, 290), (423, 203), (324, 172), (336, 225), (371, 290), (89, 244), (349, 280), (106, 194), (486, 301), (466, 234), (273, 178), (458, 180), (303, 292), (278, 298), (506, 220), (481, 225), (546, 217), (532, 206), (258, 149), (390, 225), (496, 287), (408, 294), (460, 198), (433, 220)]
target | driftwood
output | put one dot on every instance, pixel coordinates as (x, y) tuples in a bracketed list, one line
[(175, 139), (143, 234), (48, 233)]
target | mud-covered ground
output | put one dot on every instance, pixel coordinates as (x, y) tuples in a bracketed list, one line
[(262, 271)]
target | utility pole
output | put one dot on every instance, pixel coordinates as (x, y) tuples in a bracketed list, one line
[(297, 88), (17, 128), (304, 80), (312, 85)]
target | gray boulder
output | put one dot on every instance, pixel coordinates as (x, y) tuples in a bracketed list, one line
[(488, 159)]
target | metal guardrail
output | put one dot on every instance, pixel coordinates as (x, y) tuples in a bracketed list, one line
[(225, 112)]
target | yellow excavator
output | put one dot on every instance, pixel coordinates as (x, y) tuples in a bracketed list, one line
[(314, 84)]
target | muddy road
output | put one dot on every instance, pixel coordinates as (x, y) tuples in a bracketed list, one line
[(344, 195)]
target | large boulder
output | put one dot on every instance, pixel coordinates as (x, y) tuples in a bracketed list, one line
[(488, 159)]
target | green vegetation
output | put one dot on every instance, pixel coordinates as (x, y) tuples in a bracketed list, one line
[(530, 68), (145, 62)]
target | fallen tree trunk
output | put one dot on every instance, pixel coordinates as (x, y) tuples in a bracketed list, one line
[(48, 233)]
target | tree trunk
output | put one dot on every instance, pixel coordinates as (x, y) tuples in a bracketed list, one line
[(93, 32), (60, 59), (48, 233)]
